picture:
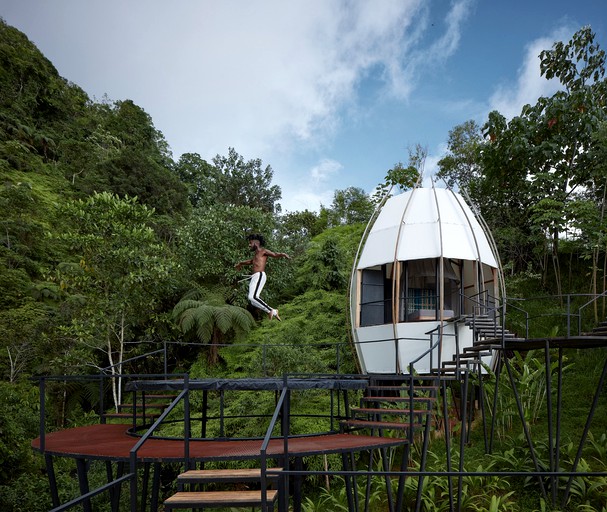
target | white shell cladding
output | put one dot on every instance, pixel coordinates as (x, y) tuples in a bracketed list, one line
[(426, 223)]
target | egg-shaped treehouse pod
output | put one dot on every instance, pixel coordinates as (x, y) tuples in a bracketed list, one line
[(426, 264)]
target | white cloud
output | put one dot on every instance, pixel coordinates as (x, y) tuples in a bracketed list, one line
[(420, 56), (312, 189), (259, 76), (262, 75), (509, 99), (270, 78), (299, 200), (324, 169)]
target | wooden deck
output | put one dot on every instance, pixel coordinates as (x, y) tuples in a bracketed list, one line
[(113, 442)]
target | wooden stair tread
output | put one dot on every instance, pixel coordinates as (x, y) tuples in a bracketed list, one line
[(393, 425), (402, 388), (240, 474), (372, 410), (185, 499), (141, 406), (396, 399), (130, 415)]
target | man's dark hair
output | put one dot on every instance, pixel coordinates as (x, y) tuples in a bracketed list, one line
[(258, 237)]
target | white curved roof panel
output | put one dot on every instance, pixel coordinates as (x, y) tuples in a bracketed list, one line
[(426, 223)]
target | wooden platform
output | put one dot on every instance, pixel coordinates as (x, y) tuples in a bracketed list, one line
[(113, 442)]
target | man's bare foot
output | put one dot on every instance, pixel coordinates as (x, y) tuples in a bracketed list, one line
[(274, 314)]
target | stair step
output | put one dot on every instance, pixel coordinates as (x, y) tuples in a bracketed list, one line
[(402, 388), (465, 356), (129, 415), (388, 425), (184, 499), (480, 350), (445, 373), (485, 344), (398, 399), (372, 410), (140, 406), (197, 476), (462, 362)]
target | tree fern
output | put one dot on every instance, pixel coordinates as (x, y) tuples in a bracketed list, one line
[(206, 314)]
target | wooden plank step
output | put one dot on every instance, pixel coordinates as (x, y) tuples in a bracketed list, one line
[(184, 499), (194, 476), (140, 406), (404, 387), (398, 399), (383, 410), (391, 425), (129, 415)]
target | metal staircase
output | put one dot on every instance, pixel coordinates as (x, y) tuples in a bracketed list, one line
[(394, 402), (488, 335)]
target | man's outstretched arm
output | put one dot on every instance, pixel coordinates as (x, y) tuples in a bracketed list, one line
[(243, 263), (277, 254)]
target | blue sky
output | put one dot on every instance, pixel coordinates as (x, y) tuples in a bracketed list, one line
[(329, 93)]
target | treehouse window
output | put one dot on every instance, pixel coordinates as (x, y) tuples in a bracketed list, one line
[(376, 296), (419, 290)]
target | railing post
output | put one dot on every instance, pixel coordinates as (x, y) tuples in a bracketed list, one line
[(102, 398), (397, 357), (166, 357), (337, 359), (263, 359), (133, 486), (568, 315), (42, 398), (187, 426)]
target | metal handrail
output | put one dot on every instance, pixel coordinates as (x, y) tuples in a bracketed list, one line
[(186, 439), (591, 301), (263, 452), (135, 358), (93, 493)]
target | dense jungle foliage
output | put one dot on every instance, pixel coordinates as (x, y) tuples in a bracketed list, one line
[(110, 246)]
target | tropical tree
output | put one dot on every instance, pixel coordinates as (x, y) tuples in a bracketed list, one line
[(243, 183), (545, 153), (201, 178), (460, 167), (213, 239), (349, 206), (206, 315), (401, 178), (120, 265)]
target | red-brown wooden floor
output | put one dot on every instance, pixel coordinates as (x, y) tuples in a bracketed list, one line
[(112, 442)]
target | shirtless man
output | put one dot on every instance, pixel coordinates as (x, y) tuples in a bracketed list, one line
[(258, 279)]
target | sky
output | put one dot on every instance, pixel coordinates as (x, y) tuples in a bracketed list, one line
[(329, 93)]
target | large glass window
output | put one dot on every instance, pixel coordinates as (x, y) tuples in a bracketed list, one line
[(420, 289), (376, 296)]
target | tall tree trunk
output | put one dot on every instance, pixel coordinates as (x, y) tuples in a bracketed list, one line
[(555, 262)]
